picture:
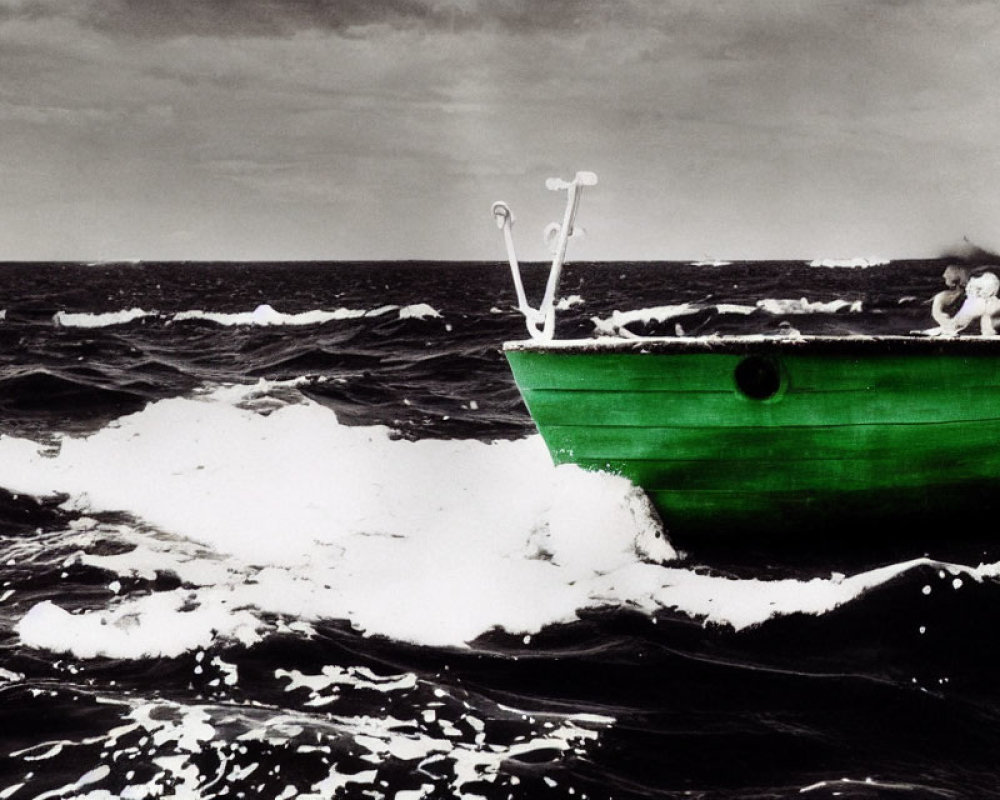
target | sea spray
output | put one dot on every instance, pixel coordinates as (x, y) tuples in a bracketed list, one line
[(430, 541), (291, 514)]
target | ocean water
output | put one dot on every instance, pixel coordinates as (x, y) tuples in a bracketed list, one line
[(286, 530)]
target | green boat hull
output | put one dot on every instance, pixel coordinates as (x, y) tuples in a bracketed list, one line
[(776, 435)]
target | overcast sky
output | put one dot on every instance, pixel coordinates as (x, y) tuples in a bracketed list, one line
[(324, 129)]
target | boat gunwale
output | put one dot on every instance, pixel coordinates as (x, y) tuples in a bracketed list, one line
[(756, 344)]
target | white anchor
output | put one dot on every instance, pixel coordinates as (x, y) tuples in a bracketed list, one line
[(541, 321)]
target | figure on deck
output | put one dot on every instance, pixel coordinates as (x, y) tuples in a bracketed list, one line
[(981, 292), (976, 297), (945, 306)]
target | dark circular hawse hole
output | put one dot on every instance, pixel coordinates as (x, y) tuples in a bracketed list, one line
[(758, 378)]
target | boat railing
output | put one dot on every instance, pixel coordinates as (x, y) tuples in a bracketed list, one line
[(541, 321)]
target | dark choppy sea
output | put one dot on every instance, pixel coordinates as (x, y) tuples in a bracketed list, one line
[(286, 531)]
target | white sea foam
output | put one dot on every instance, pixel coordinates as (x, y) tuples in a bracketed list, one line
[(124, 632), (566, 303), (8, 676), (85, 320), (418, 311), (174, 740), (620, 320), (734, 308), (617, 324), (266, 315), (293, 516), (858, 262), (263, 315), (431, 541), (804, 306)]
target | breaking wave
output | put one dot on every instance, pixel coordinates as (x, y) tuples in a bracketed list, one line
[(263, 507), (263, 315)]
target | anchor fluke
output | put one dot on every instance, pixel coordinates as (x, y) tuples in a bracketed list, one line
[(502, 213)]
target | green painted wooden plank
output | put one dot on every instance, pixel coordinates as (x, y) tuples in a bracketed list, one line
[(623, 371), (687, 372), (890, 372), (806, 515), (778, 443), (686, 501), (920, 404), (779, 476)]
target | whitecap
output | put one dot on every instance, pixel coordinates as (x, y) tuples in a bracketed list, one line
[(87, 320), (566, 303), (619, 320), (418, 311), (317, 520), (803, 306), (266, 315), (735, 308), (857, 262)]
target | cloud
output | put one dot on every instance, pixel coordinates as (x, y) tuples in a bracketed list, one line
[(229, 18), (234, 18), (737, 28), (710, 123)]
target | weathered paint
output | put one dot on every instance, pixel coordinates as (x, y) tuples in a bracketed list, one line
[(851, 432)]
